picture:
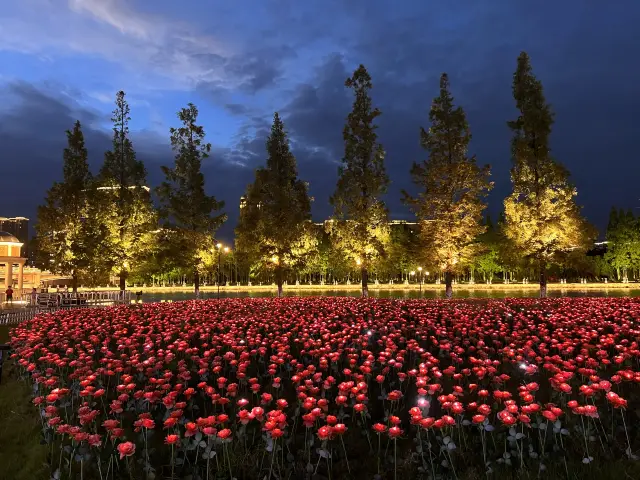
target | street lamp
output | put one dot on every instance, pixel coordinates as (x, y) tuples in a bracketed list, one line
[(420, 270), (226, 250), (219, 247)]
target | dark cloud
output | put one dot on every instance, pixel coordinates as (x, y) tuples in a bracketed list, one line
[(236, 108), (580, 52), (259, 69)]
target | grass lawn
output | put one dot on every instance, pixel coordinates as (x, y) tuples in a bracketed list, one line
[(22, 457)]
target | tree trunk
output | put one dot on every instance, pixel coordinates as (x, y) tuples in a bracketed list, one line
[(543, 279), (74, 282), (279, 280), (123, 280), (365, 282), (448, 290), (196, 282)]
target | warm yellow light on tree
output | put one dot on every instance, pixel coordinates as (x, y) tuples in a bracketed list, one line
[(419, 269), (226, 249), (358, 261), (219, 246)]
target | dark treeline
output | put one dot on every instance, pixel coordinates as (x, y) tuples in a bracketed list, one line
[(105, 227)]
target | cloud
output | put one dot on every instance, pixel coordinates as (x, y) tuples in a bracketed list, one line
[(171, 53), (293, 57), (578, 52), (236, 108)]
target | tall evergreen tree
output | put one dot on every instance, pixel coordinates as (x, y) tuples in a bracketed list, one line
[(360, 226), (185, 205), (277, 215), (69, 236), (542, 216), (128, 211), (453, 188)]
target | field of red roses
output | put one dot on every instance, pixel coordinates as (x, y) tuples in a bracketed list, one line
[(337, 388)]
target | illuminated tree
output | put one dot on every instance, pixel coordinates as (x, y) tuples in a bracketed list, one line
[(276, 219), (452, 188), (542, 218), (186, 207), (70, 237), (127, 209), (360, 226), (487, 261), (623, 243)]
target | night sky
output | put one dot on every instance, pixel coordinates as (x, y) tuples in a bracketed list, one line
[(62, 60)]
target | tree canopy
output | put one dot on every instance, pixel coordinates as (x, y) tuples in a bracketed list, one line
[(186, 207), (127, 210), (70, 237), (360, 225), (452, 186), (276, 220), (542, 217)]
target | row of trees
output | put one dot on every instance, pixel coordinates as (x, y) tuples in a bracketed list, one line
[(541, 218), (92, 227), (108, 223)]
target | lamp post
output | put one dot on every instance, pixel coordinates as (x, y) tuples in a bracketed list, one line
[(226, 250), (420, 270), (219, 247)]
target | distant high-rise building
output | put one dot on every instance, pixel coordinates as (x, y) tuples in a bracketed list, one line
[(19, 228), (16, 226)]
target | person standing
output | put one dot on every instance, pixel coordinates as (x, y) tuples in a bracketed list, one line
[(9, 293)]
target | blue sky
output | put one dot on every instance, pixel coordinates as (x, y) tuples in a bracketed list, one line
[(62, 60)]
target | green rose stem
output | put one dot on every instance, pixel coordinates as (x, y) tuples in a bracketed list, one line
[(226, 452), (395, 463), (273, 454), (345, 454), (584, 434), (172, 462), (378, 456), (628, 452)]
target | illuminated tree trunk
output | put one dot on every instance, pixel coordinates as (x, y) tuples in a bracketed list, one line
[(196, 282), (74, 282), (543, 279), (279, 280), (365, 282), (123, 280), (448, 279)]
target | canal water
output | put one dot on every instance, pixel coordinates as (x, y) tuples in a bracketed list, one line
[(379, 293)]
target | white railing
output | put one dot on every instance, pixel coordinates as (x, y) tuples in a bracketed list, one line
[(51, 302)]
